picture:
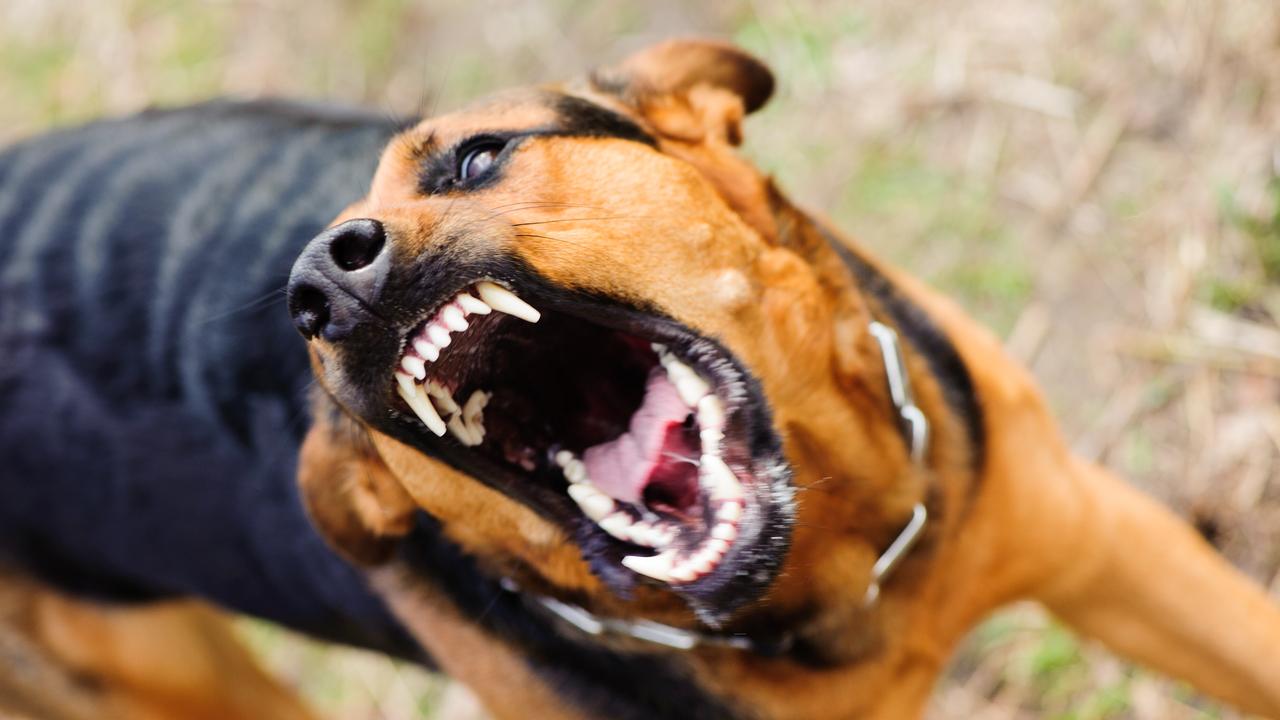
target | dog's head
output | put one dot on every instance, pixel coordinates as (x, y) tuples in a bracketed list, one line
[(575, 326)]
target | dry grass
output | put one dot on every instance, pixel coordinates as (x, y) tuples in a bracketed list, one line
[(1097, 181)]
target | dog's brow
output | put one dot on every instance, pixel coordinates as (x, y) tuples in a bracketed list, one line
[(579, 117), (422, 146)]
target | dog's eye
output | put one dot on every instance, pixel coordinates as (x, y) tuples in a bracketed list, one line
[(478, 160)]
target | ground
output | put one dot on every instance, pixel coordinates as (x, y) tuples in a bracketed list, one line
[(1099, 182)]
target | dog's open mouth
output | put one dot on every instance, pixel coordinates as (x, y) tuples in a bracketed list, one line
[(648, 441)]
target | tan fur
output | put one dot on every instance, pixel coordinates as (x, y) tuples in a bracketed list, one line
[(753, 271), (698, 232), (68, 659)]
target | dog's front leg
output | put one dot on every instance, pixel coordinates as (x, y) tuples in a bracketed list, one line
[(1146, 585)]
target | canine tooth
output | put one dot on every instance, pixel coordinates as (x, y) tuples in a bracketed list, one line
[(420, 405), (691, 390), (723, 483), (406, 382), (442, 397), (689, 385), (438, 335), (729, 512), (563, 457), (657, 567), (724, 531), (594, 504), (505, 301), (451, 316), (710, 412), (426, 349), (414, 366), (617, 525), (472, 305), (659, 348), (467, 436)]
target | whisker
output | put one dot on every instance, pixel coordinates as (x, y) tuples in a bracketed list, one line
[(585, 219), (262, 301), (510, 208)]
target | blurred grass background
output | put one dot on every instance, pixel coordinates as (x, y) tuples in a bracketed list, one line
[(1095, 180)]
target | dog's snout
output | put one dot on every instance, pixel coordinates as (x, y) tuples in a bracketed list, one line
[(337, 278)]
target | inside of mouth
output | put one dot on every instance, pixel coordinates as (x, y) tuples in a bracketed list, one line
[(564, 384), (619, 424)]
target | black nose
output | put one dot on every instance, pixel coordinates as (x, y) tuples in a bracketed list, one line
[(337, 278)]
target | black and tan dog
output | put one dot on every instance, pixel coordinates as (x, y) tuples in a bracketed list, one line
[(611, 427)]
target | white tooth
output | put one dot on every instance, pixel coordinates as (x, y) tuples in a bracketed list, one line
[(702, 561), (710, 412), (723, 483), (563, 457), (426, 349), (472, 305), (414, 366), (711, 438), (657, 567), (439, 335), (594, 504), (406, 382), (718, 547), (618, 525), (462, 432), (683, 572), (442, 397), (729, 512), (690, 387), (725, 531), (642, 533), (575, 471), (659, 348), (473, 410), (451, 316), (421, 406), (503, 300)]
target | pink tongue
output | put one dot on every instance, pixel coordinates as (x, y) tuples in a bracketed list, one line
[(622, 467)]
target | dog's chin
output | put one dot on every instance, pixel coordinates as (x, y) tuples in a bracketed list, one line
[(650, 444)]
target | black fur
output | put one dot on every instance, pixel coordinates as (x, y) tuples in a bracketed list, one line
[(576, 117), (600, 682), (582, 118), (925, 337), (152, 387)]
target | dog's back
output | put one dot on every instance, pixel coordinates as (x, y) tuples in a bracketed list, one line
[(151, 386)]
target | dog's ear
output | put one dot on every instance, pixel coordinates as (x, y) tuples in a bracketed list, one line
[(349, 493), (689, 88)]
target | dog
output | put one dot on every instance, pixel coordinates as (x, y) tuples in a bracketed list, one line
[(596, 420)]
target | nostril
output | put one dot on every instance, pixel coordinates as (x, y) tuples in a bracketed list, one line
[(357, 244), (310, 310)]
